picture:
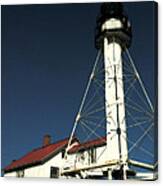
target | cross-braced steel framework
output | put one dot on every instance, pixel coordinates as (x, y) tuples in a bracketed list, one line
[(90, 121)]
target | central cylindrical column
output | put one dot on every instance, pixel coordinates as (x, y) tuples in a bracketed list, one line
[(113, 36), (114, 102)]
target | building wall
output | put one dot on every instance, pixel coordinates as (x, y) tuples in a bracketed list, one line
[(81, 159), (76, 160), (44, 170), (10, 174), (40, 170)]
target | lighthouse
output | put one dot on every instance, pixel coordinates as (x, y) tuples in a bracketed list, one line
[(113, 37), (109, 155)]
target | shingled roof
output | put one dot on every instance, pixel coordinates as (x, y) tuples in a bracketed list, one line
[(42, 154), (37, 156), (92, 143)]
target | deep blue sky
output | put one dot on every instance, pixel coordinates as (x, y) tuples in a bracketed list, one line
[(47, 55)]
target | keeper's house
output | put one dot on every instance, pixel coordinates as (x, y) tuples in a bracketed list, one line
[(48, 160)]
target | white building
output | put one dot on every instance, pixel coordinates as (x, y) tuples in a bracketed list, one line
[(48, 161)]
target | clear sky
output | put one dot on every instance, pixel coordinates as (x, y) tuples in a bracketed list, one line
[(47, 55)]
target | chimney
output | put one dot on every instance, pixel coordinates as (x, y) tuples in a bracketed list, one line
[(46, 140)]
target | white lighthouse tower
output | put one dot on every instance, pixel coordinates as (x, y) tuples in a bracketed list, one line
[(109, 155), (113, 37)]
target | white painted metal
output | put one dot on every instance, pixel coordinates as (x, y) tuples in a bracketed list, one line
[(140, 81), (111, 24), (146, 176), (82, 103), (116, 152), (114, 106), (109, 174), (142, 164)]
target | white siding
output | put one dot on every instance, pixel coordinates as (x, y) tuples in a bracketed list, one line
[(44, 170), (41, 170), (10, 174), (81, 159), (74, 161)]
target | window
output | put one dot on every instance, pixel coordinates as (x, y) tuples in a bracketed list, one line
[(20, 173), (80, 156), (111, 24), (93, 155), (54, 172), (63, 154)]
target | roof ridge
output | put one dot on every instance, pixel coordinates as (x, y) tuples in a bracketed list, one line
[(58, 141), (12, 164), (41, 153), (88, 144)]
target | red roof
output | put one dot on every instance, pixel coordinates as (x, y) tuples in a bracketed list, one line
[(88, 144), (37, 155)]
